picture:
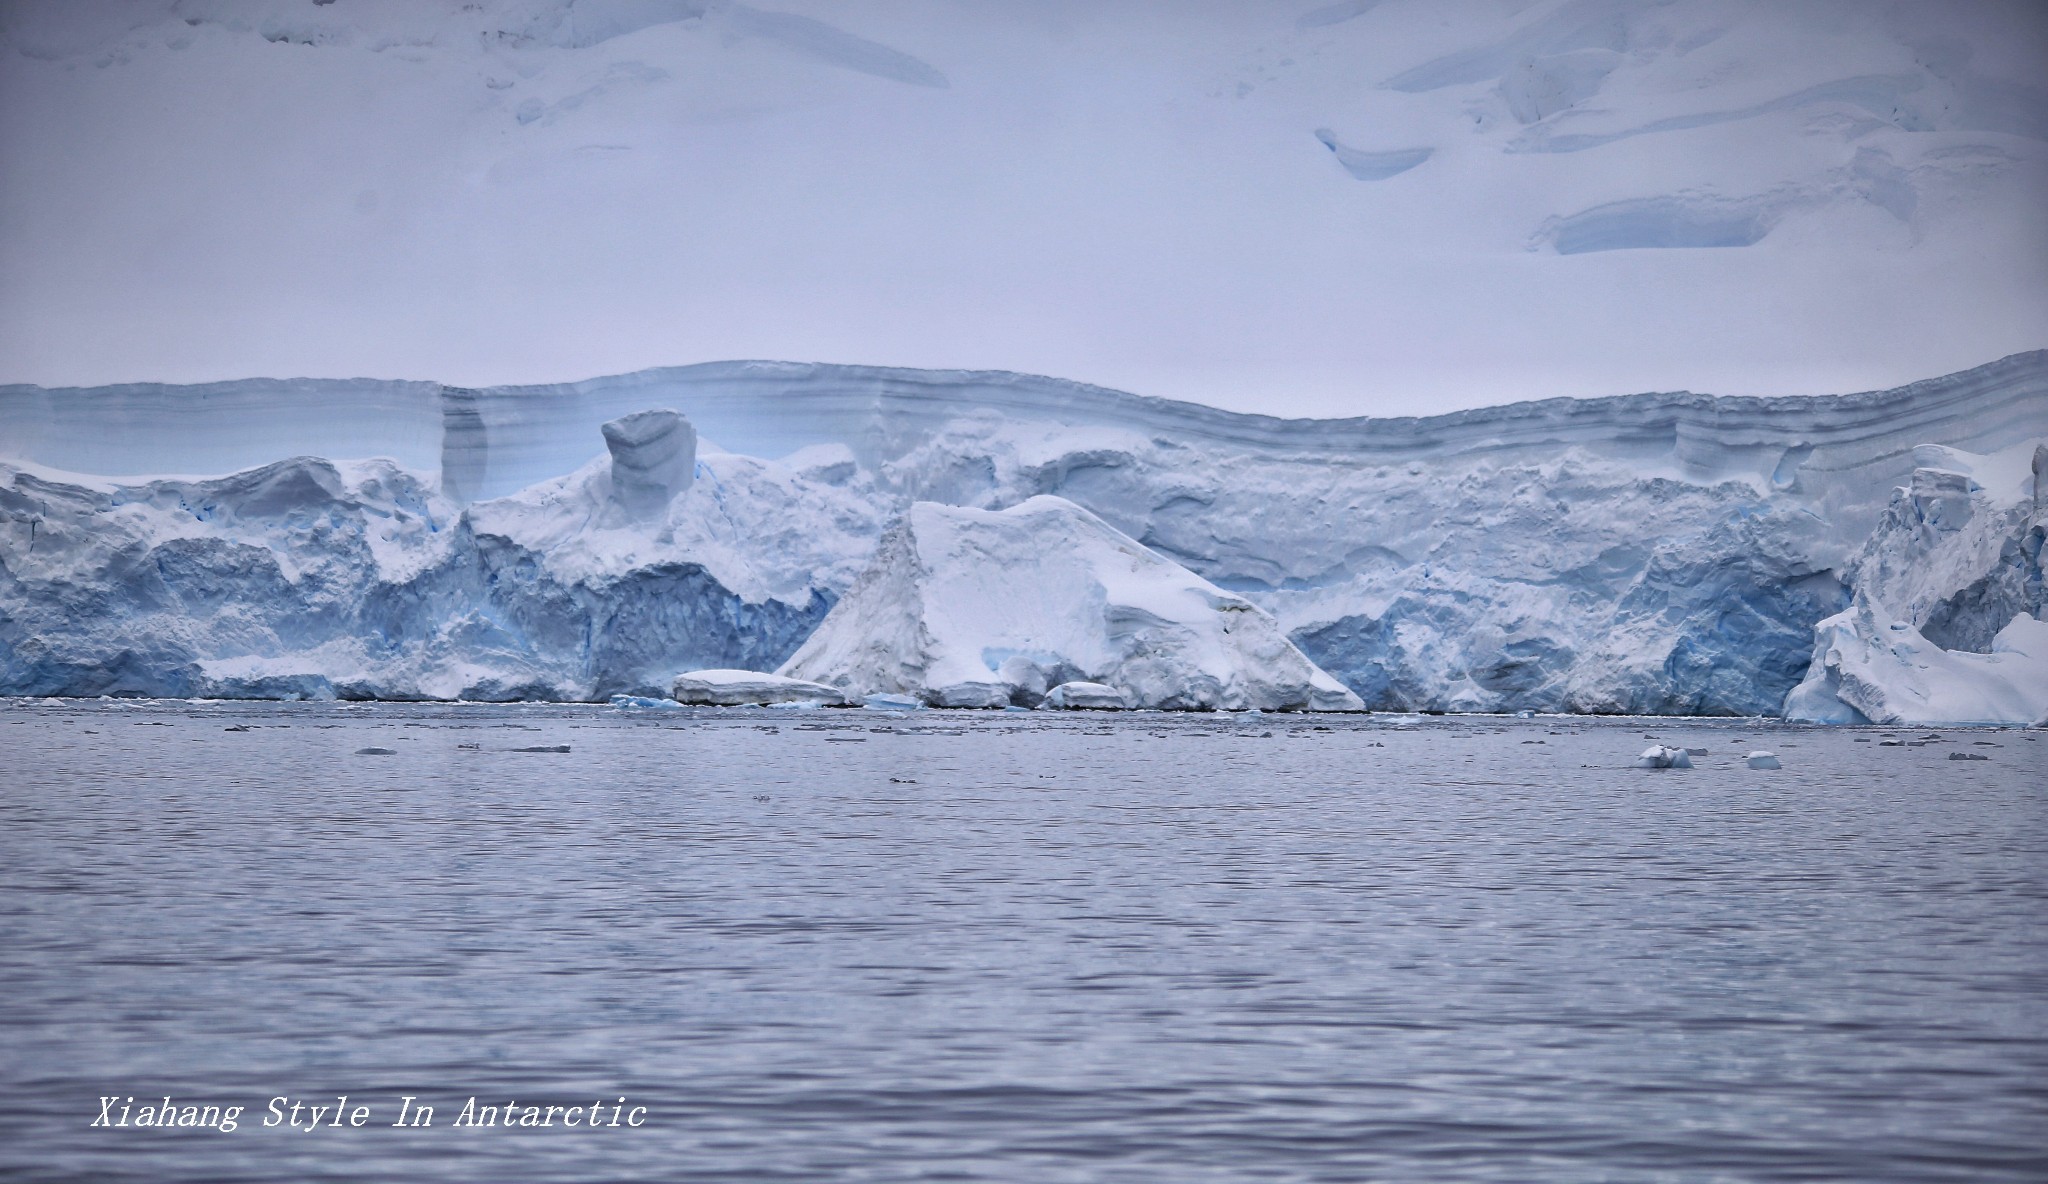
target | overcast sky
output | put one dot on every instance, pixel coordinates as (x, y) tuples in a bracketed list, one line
[(1356, 208)]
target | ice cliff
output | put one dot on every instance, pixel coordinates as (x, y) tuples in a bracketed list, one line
[(1660, 553), (1947, 624), (317, 578), (986, 608)]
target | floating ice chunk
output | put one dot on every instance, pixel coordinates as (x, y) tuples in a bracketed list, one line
[(638, 702), (971, 693), (1086, 696), (1762, 760), (748, 688), (1659, 756)]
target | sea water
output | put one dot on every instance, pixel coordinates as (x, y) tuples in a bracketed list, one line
[(864, 946)]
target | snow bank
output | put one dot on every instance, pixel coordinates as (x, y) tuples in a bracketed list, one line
[(1946, 625), (978, 608)]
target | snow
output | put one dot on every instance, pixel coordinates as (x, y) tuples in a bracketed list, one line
[(1191, 200), (986, 608), (1946, 625), (741, 688)]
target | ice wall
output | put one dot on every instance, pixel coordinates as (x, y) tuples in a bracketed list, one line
[(1656, 553), (322, 579), (988, 608), (496, 440), (1949, 623)]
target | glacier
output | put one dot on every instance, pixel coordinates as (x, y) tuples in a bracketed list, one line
[(1404, 205), (1947, 625), (1664, 553), (990, 608)]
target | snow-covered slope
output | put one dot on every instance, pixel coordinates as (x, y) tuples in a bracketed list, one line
[(982, 608), (1949, 624), (1322, 208), (1656, 553)]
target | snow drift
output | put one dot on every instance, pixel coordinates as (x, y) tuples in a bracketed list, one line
[(978, 608)]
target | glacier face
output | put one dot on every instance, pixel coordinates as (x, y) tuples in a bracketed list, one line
[(989, 608), (1949, 624), (314, 578), (1653, 553)]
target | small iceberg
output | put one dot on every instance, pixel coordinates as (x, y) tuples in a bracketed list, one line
[(1761, 759), (1086, 696), (749, 688), (1659, 756)]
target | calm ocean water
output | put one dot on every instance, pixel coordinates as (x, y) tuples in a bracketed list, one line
[(850, 946)]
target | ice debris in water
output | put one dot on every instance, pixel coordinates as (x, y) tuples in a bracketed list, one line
[(749, 688), (1761, 759), (1659, 756), (1085, 696)]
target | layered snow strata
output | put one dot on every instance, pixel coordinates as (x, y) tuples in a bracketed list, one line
[(980, 608), (654, 458), (1947, 621), (749, 688)]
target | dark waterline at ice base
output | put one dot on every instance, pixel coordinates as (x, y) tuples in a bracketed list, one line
[(858, 946)]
